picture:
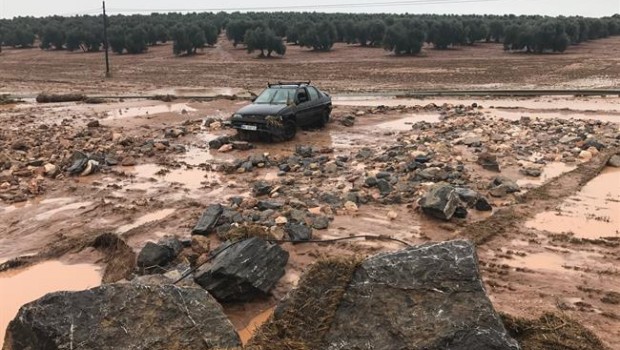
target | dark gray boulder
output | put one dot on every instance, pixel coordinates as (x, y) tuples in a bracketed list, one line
[(243, 271), (123, 316), (482, 204), (425, 297), (298, 232), (440, 201), (208, 220), (467, 195), (154, 255)]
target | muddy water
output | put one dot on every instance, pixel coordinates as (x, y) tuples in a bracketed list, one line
[(516, 114), (591, 213), (130, 112), (551, 170), (151, 217), (18, 287), (548, 103), (405, 124), (192, 179), (246, 333)]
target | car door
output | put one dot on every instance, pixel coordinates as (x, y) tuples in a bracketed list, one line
[(304, 109), (316, 112)]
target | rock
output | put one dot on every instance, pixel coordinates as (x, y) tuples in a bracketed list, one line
[(446, 309), (92, 166), (208, 220), (298, 232), (506, 183), (241, 145), (320, 222), (614, 161), (261, 188), (350, 206), (153, 256), (460, 213), (473, 141), (531, 171), (569, 139), (467, 195), (219, 142), (394, 293), (585, 155), (128, 161), (440, 201), (499, 191), (225, 148), (483, 205), (172, 243), (304, 151), (281, 220), (384, 187), (592, 143), (123, 316), (489, 162), (51, 170), (392, 215), (268, 205), (246, 270), (93, 124), (79, 162), (370, 181), (348, 121)]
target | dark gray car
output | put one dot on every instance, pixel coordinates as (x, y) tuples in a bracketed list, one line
[(281, 108)]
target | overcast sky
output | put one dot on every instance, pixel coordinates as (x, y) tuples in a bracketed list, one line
[(589, 8)]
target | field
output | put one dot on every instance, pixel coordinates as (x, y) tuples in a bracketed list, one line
[(552, 246)]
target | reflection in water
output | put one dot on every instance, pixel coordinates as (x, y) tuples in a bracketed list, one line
[(21, 286), (591, 213)]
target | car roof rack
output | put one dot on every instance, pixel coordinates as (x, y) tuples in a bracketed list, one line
[(295, 83)]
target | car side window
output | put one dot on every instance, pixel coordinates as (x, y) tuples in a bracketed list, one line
[(314, 95)]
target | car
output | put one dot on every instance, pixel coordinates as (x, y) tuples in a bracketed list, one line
[(282, 108)]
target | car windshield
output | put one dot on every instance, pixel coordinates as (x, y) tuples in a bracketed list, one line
[(276, 96)]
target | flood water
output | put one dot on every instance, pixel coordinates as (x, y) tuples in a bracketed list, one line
[(246, 333), (21, 286), (593, 212), (145, 219), (131, 112)]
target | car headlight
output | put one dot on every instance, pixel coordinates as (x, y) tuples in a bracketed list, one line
[(237, 116)]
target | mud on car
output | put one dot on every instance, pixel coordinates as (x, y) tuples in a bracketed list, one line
[(282, 108)]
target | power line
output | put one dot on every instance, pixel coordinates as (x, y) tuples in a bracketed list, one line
[(294, 7)]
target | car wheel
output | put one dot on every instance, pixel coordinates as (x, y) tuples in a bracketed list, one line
[(286, 132), (324, 118)]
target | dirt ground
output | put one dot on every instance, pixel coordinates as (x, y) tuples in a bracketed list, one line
[(346, 68), (551, 247)]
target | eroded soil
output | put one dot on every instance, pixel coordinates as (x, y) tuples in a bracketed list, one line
[(531, 262)]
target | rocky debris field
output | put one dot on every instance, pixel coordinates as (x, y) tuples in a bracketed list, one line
[(259, 214)]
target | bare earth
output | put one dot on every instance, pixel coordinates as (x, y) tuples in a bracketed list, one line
[(551, 247)]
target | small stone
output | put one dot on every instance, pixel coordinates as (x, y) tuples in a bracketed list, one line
[(489, 162), (93, 124), (614, 161), (226, 148), (241, 145), (350, 206), (392, 215), (320, 222), (281, 220), (483, 205), (51, 170), (585, 155), (298, 232), (128, 161)]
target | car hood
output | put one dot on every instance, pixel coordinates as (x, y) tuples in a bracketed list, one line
[(261, 109)]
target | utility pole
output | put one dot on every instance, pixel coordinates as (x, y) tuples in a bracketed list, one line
[(105, 43)]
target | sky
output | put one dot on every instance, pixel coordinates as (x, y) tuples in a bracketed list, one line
[(587, 8)]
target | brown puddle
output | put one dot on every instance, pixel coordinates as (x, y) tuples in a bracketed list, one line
[(191, 179), (538, 261), (551, 170), (517, 114), (131, 112), (593, 212), (21, 286), (246, 333), (405, 124), (154, 216)]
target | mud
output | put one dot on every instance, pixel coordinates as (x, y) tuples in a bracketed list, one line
[(20, 286), (164, 193)]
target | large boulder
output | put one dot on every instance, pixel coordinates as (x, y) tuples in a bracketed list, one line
[(122, 316), (244, 270), (153, 256), (208, 220), (425, 297), (440, 201)]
